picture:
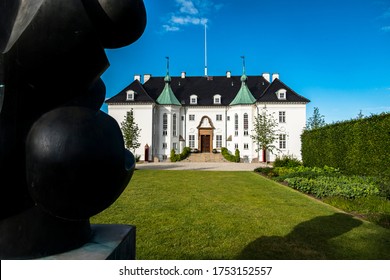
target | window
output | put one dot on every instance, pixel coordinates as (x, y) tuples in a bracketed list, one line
[(246, 124), (175, 146), (282, 117), (218, 143), (228, 118), (235, 146), (219, 117), (165, 124), (281, 94), (193, 99), (217, 99), (182, 118), (282, 141), (246, 146), (165, 145), (236, 123), (174, 125), (191, 141), (192, 117), (130, 95)]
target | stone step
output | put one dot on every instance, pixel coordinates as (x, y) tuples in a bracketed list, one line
[(205, 157)]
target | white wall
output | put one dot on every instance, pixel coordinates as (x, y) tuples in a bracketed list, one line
[(143, 116), (293, 127)]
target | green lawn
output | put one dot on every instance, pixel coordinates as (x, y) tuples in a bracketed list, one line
[(237, 215)]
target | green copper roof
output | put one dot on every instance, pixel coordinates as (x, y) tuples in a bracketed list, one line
[(167, 97), (244, 95)]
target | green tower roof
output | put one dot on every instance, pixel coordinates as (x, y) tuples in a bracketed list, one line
[(167, 97), (244, 95)]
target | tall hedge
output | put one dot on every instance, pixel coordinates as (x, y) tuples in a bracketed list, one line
[(356, 147)]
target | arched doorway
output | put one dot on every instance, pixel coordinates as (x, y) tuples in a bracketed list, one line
[(205, 130)]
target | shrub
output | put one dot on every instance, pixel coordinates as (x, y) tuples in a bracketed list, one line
[(356, 147), (178, 157), (229, 157), (342, 186), (287, 161)]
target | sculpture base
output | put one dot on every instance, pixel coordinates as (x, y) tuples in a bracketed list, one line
[(108, 242)]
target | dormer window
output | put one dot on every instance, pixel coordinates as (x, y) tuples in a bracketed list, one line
[(281, 94), (130, 95), (217, 99), (193, 99)]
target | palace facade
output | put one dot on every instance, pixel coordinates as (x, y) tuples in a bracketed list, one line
[(210, 112)]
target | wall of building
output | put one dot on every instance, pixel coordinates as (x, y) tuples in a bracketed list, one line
[(293, 127), (149, 118), (143, 116)]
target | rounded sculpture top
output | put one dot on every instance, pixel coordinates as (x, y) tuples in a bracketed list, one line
[(119, 22)]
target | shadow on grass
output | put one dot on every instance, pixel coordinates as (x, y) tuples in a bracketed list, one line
[(308, 240)]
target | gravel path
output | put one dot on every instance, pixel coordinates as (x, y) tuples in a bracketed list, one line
[(206, 166)]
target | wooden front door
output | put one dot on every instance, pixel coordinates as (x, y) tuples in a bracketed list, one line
[(205, 142)]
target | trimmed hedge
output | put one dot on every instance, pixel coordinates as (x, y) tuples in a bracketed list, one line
[(228, 156), (356, 147), (178, 157)]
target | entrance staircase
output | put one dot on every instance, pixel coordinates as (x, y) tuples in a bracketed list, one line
[(205, 157)]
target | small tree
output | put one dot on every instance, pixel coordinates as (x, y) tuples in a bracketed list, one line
[(316, 121), (130, 131), (265, 133), (360, 115)]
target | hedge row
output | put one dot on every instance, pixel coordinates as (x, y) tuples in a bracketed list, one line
[(228, 156), (356, 147), (178, 157)]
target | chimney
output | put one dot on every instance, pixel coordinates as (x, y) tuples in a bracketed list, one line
[(137, 77), (183, 75), (266, 76), (147, 77), (275, 76), (228, 74)]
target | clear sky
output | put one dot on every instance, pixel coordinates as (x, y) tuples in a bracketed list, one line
[(334, 52)]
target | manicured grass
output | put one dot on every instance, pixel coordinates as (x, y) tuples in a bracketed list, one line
[(237, 215)]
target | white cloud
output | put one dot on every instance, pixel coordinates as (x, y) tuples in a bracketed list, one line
[(187, 7), (190, 12), (188, 20), (386, 28), (170, 28)]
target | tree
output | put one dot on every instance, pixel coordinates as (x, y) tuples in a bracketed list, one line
[(316, 121), (360, 115), (266, 132), (130, 132)]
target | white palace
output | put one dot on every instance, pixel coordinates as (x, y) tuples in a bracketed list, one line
[(209, 112)]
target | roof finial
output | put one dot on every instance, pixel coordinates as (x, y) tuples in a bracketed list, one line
[(167, 57), (243, 77), (243, 64), (167, 77)]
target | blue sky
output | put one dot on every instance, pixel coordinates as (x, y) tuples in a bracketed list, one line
[(334, 52)]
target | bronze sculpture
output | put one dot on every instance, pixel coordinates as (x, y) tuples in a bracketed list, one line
[(62, 160)]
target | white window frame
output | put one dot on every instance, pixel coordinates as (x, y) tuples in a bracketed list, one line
[(281, 94), (191, 117), (217, 99), (174, 125), (282, 116), (193, 99), (218, 141), (191, 141), (165, 124), (219, 117), (282, 141), (130, 95)]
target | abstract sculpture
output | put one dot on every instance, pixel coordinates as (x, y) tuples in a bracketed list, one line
[(62, 160)]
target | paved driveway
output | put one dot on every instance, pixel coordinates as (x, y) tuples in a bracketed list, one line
[(207, 166)]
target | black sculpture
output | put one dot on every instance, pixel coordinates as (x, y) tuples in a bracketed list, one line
[(62, 160)]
